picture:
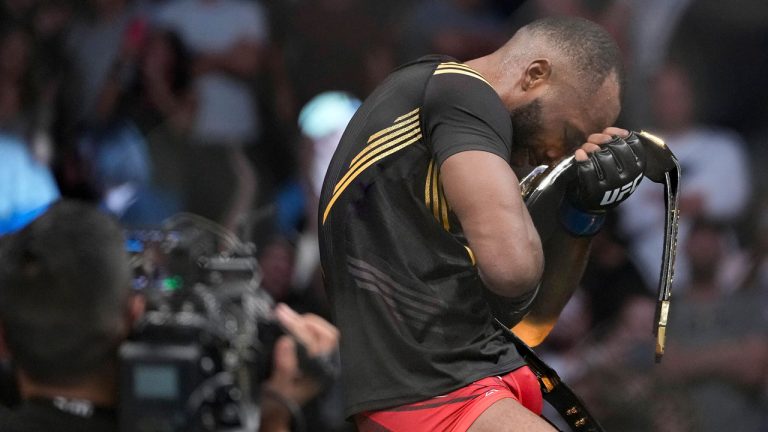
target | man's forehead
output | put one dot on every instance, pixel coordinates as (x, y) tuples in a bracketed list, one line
[(586, 121), (601, 108)]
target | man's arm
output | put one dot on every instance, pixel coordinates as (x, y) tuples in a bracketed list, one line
[(484, 194), (566, 258)]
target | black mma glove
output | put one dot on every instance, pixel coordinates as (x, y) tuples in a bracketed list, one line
[(605, 179)]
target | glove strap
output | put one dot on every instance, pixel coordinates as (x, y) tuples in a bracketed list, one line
[(579, 222)]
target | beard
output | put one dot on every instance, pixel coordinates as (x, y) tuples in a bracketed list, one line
[(526, 124)]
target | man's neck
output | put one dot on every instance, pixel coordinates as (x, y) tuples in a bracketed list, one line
[(99, 389), (488, 67)]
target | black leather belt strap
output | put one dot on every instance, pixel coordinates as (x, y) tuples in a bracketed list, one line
[(555, 391)]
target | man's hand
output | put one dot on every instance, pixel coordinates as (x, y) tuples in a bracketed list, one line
[(596, 139), (609, 166)]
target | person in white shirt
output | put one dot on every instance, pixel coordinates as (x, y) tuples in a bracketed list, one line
[(715, 177), (227, 40)]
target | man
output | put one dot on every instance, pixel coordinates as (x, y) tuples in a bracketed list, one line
[(227, 39), (101, 51), (66, 306), (421, 220)]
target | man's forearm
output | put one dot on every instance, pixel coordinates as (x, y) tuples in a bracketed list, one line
[(565, 258)]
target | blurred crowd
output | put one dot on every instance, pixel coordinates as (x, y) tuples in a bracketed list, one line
[(230, 109)]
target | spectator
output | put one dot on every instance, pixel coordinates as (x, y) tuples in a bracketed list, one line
[(51, 70), (63, 316), (16, 12), (26, 187), (462, 29), (277, 260), (121, 170), (651, 31), (610, 279), (337, 45), (162, 103), (718, 341), (163, 91), (103, 49), (226, 39), (613, 15), (17, 93), (715, 173), (616, 375)]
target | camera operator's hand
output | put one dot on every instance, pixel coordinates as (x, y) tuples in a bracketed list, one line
[(317, 335), (289, 387)]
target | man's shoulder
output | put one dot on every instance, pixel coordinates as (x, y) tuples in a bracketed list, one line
[(455, 84), (460, 94), (36, 417)]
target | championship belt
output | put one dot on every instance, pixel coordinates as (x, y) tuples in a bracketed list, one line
[(543, 191)]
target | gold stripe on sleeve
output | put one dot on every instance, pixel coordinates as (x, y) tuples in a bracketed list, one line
[(459, 68), (462, 72), (408, 118), (406, 115), (406, 126), (373, 153), (443, 205), (341, 186), (471, 255), (428, 186), (435, 196)]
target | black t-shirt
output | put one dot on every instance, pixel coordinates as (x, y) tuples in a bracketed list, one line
[(43, 416), (405, 292)]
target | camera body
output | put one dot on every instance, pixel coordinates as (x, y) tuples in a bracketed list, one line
[(191, 362)]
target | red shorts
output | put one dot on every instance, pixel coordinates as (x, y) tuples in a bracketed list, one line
[(456, 411)]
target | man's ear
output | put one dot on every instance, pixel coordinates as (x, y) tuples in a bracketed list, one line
[(536, 74)]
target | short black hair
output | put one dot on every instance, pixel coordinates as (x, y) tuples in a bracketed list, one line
[(592, 49), (64, 285)]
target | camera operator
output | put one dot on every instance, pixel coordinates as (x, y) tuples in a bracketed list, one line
[(66, 306)]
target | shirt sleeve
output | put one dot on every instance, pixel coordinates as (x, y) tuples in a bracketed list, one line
[(462, 112)]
